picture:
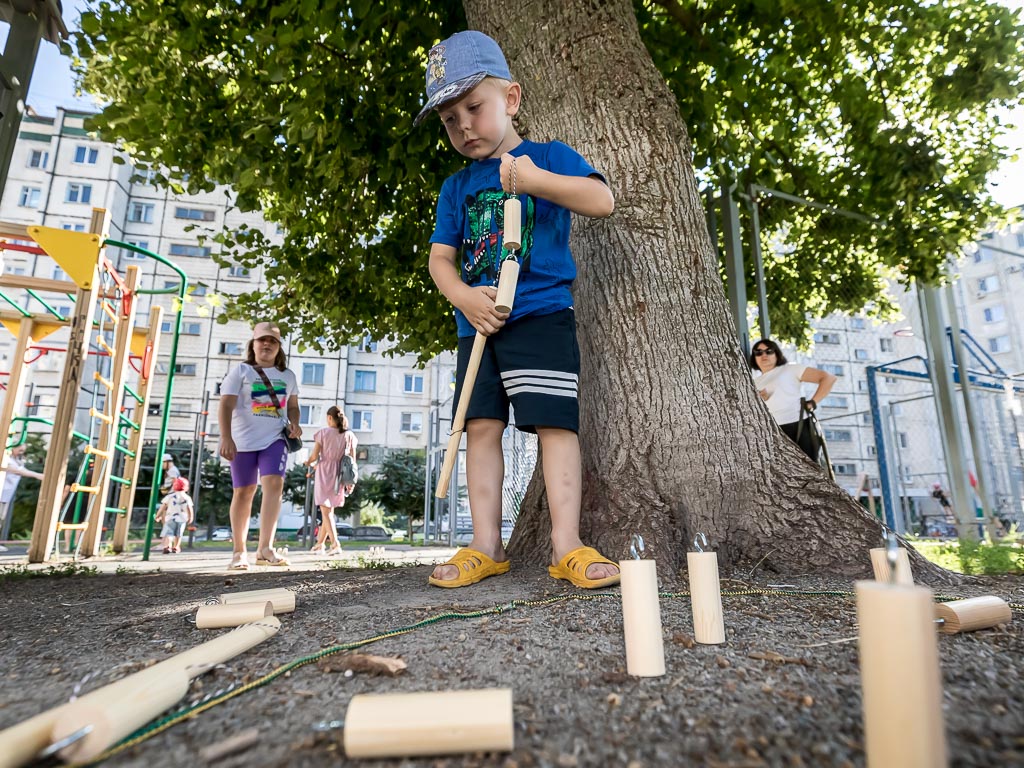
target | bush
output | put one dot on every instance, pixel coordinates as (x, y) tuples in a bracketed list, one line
[(976, 558)]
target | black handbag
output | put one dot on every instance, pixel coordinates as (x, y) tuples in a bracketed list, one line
[(294, 443)]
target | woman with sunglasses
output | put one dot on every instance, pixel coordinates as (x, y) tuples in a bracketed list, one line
[(779, 385)]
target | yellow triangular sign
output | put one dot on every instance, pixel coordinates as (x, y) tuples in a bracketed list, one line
[(77, 253)]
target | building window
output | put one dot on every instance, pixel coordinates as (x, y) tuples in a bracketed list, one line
[(238, 272), (138, 244), (187, 329), (87, 155), (140, 213), (185, 369), (999, 344), (197, 251), (903, 440), (995, 314), (858, 323), (194, 214), (362, 421), (313, 374), (1020, 241), (862, 386), (30, 197), (412, 422), (309, 414), (198, 290), (872, 451), (826, 338), (64, 310), (885, 345), (230, 348), (982, 254), (59, 274), (860, 354), (835, 370), (835, 401), (413, 383), (38, 158), (367, 344), (988, 284), (844, 469), (366, 381), (73, 227), (78, 193), (839, 435), (144, 176)]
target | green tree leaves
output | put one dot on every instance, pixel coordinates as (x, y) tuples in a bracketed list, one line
[(305, 109)]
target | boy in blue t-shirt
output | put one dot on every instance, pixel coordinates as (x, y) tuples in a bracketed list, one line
[(531, 359)]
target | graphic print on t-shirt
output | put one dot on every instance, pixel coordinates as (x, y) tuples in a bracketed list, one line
[(262, 403), (483, 247)]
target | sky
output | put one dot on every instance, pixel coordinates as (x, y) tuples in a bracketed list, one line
[(53, 85)]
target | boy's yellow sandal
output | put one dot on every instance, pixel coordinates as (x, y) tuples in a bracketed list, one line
[(473, 567), (573, 568)]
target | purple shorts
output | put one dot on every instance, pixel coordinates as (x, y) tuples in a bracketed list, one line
[(249, 466)]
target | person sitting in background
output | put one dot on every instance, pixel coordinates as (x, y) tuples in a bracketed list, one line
[(779, 385)]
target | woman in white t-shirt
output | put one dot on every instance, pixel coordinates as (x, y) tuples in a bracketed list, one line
[(251, 439), (779, 385)]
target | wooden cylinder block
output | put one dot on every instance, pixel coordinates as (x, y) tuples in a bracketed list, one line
[(513, 237), (900, 678), (232, 614), (641, 618), (507, 281), (21, 744), (880, 565), (283, 599), (444, 723), (705, 597), (972, 614), (117, 710)]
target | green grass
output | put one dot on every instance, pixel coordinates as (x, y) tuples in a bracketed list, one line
[(70, 568), (1002, 557)]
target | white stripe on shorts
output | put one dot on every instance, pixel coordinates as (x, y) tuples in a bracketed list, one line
[(556, 383)]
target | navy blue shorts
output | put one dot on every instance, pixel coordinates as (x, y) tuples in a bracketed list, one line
[(534, 364)]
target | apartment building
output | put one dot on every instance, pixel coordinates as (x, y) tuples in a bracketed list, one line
[(59, 173)]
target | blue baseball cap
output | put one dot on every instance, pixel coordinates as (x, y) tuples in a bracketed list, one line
[(458, 65)]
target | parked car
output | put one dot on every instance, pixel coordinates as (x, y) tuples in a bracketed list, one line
[(372, 533), (221, 534), (345, 531)]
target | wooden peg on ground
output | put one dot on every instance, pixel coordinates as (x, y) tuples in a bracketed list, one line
[(443, 723), (705, 597), (969, 615), (899, 667), (282, 599), (880, 565), (231, 614), (641, 618)]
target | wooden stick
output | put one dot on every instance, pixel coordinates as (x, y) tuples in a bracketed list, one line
[(899, 667), (507, 281), (22, 743), (880, 565), (641, 618), (233, 615), (443, 723), (283, 599), (705, 597), (969, 615)]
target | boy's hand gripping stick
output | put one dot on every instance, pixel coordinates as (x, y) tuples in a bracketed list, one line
[(507, 280)]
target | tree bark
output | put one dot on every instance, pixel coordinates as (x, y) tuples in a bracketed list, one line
[(675, 440)]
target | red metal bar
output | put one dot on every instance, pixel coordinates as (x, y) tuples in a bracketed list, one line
[(5, 246)]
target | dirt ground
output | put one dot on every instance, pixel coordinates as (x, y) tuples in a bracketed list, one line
[(782, 691)]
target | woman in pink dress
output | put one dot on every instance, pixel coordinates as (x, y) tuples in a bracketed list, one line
[(330, 444)]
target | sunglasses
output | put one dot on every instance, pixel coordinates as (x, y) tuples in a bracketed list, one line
[(759, 352)]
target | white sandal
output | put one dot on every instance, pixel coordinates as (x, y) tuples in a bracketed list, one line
[(239, 562)]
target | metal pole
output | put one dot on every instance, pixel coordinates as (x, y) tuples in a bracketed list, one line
[(735, 273), (755, 251), (941, 373)]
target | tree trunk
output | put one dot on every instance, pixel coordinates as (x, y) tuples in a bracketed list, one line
[(675, 440)]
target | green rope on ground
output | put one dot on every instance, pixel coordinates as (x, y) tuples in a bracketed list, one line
[(162, 724)]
